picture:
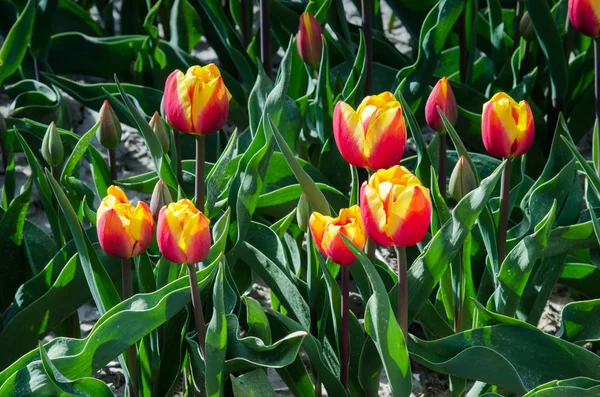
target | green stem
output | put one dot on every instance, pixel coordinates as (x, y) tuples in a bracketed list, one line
[(367, 25), (345, 326), (197, 306), (402, 289), (265, 36), (200, 150), (458, 310), (504, 213), (442, 162), (112, 165), (179, 171), (127, 283)]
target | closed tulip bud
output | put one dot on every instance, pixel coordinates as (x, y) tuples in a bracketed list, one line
[(160, 129), (395, 207), (462, 180), (183, 234), (160, 198), (585, 16), (526, 27), (507, 127), (302, 213), (441, 96), (309, 39), (123, 230), (52, 146), (374, 135), (326, 231), (196, 102), (109, 132)]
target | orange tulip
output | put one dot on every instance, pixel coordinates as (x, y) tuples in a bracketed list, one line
[(395, 207), (326, 231), (585, 16), (123, 230), (308, 40), (197, 102), (374, 135), (183, 234), (507, 127), (441, 96)]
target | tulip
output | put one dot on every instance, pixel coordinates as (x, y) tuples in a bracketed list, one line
[(462, 180), (196, 102), (52, 146), (160, 198), (585, 16), (160, 129), (183, 234), (441, 96), (109, 132), (309, 39), (325, 231), (374, 135), (302, 213), (123, 230), (507, 127), (395, 207)]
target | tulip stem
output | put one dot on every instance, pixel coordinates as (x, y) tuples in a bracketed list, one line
[(442, 163), (402, 289), (179, 171), (504, 213), (197, 306), (345, 325), (127, 284), (265, 36), (200, 150), (597, 92), (367, 25), (112, 165)]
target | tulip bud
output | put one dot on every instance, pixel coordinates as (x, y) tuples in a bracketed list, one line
[(507, 127), (183, 233), (526, 27), (160, 129), (160, 198), (109, 131), (308, 40), (585, 16), (123, 230), (52, 147), (196, 102), (326, 231), (395, 207), (441, 96), (462, 180), (372, 136), (302, 213)]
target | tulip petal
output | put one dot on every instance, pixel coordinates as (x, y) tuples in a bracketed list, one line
[(141, 228), (493, 133), (177, 102), (167, 235), (210, 106), (195, 239), (385, 140), (585, 16), (317, 224), (112, 236), (349, 134), (527, 130), (410, 216), (373, 215), (335, 248)]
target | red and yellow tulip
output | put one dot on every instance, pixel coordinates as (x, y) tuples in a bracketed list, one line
[(308, 40), (123, 230), (326, 231), (441, 96), (374, 135), (395, 207), (507, 127), (585, 16), (183, 234), (196, 102)]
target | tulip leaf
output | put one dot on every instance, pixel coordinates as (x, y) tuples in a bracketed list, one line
[(78, 152), (216, 340), (14, 48), (575, 387), (252, 384), (580, 322)]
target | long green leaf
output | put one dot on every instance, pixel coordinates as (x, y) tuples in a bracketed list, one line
[(15, 45)]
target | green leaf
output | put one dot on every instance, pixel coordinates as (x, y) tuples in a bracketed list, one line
[(78, 152), (258, 324), (575, 387), (15, 44), (511, 356), (216, 340), (580, 322), (252, 384)]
